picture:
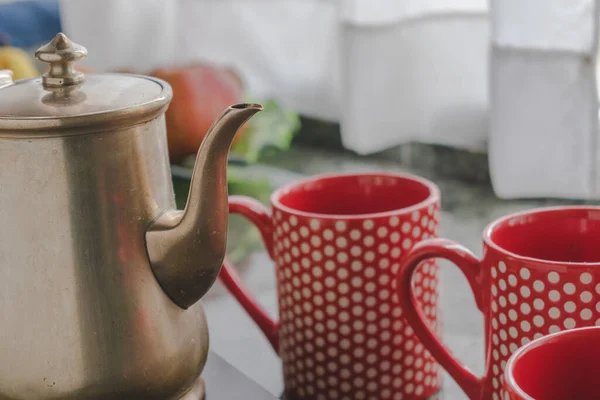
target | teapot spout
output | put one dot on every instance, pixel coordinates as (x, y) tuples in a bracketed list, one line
[(186, 248)]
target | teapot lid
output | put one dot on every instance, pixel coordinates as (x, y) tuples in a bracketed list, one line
[(63, 101)]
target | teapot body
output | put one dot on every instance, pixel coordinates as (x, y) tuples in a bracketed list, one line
[(83, 316), (100, 274)]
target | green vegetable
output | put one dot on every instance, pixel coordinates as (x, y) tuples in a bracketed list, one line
[(246, 184), (270, 130)]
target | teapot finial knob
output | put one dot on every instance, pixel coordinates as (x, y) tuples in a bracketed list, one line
[(61, 53)]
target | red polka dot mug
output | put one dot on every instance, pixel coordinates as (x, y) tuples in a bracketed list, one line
[(559, 366), (336, 241), (540, 274)]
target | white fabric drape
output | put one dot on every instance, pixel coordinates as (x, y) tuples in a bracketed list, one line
[(389, 71), (544, 115), (502, 78), (285, 49)]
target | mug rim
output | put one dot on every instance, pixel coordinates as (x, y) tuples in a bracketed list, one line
[(509, 378), (501, 222), (432, 198)]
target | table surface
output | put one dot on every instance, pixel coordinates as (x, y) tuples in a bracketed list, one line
[(225, 382)]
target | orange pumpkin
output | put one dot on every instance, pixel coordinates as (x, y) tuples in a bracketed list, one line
[(200, 94)]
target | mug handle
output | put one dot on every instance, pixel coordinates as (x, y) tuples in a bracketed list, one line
[(470, 267), (260, 216)]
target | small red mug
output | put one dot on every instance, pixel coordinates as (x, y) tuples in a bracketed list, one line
[(336, 241), (540, 274), (563, 365)]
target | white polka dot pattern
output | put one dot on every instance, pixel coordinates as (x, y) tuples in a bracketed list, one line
[(543, 301), (342, 335)]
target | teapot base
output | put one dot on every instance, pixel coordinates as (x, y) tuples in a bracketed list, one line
[(196, 392)]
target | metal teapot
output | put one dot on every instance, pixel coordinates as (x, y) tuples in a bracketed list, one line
[(97, 268)]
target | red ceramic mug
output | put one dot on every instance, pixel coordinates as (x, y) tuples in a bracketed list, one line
[(563, 365), (540, 274), (336, 241)]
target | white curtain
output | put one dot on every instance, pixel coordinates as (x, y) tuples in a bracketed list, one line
[(544, 120), (392, 71), (389, 71)]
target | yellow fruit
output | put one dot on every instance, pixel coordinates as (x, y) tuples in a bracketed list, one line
[(19, 62)]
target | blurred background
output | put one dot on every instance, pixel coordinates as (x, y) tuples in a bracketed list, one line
[(508, 87), (496, 101)]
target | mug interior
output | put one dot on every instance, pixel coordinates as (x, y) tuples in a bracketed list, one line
[(352, 195), (568, 235), (563, 366)]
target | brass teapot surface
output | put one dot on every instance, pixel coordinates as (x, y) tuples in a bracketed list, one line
[(99, 274)]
